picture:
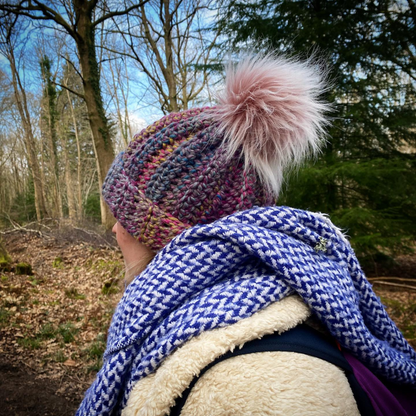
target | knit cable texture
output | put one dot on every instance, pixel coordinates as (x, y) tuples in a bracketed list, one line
[(176, 174), (214, 275)]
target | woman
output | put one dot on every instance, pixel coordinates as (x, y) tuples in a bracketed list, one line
[(197, 188)]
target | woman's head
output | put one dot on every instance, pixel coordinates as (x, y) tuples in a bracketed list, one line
[(202, 164)]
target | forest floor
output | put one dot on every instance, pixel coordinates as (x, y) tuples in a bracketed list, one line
[(53, 323)]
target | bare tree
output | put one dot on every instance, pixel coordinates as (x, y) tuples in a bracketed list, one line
[(8, 40), (79, 167), (75, 139), (166, 39), (48, 127), (14, 172), (118, 88), (79, 19)]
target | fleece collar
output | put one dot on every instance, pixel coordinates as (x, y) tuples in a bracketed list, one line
[(155, 394)]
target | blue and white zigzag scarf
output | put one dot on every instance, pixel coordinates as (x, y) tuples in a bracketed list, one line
[(214, 275)]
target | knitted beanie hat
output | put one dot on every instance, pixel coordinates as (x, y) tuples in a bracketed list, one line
[(199, 165)]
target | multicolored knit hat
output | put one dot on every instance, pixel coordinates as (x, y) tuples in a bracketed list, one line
[(199, 165)]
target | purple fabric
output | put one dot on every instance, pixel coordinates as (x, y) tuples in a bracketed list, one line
[(391, 401)]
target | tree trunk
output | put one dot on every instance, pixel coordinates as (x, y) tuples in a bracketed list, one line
[(169, 103), (18, 183), (56, 209), (29, 140), (69, 184), (79, 167), (125, 93), (91, 81), (122, 123), (170, 72)]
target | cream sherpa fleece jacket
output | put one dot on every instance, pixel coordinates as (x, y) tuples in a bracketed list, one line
[(268, 383)]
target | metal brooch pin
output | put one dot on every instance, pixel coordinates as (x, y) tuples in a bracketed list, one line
[(321, 246)]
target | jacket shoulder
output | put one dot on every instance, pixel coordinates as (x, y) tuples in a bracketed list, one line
[(272, 383)]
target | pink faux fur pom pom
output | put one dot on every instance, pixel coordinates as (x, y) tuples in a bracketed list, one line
[(270, 110)]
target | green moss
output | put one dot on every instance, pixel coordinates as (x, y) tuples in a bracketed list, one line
[(4, 256), (110, 287), (95, 352), (30, 343), (59, 357), (33, 281), (397, 307), (54, 302), (67, 332), (58, 263), (107, 267), (5, 265), (72, 293), (95, 368), (4, 316), (47, 332), (94, 79), (23, 268)]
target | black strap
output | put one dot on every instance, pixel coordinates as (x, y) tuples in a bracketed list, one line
[(302, 339)]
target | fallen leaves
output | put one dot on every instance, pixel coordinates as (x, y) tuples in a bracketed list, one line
[(70, 363), (54, 321)]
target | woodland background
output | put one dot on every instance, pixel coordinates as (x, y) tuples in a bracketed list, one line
[(79, 77)]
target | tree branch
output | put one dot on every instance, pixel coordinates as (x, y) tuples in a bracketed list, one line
[(53, 15), (70, 90), (118, 13), (73, 66)]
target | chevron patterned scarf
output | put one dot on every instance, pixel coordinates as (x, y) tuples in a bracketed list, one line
[(214, 275)]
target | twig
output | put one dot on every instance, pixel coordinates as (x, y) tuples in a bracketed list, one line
[(17, 227), (29, 366), (40, 224), (93, 234), (395, 284), (391, 278)]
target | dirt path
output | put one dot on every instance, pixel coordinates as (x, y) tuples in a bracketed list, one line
[(23, 393)]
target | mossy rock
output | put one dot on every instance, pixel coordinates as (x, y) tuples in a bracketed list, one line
[(5, 265), (23, 268)]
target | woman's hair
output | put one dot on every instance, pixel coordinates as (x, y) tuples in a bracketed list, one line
[(199, 165)]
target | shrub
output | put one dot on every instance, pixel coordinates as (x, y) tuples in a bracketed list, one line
[(92, 207)]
